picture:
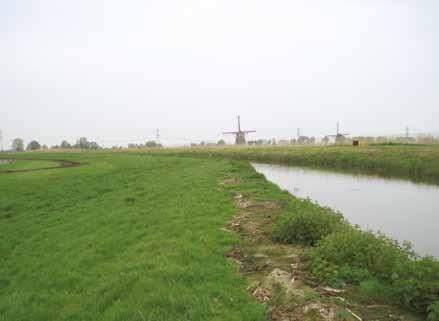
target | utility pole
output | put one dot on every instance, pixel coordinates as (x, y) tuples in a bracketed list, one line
[(407, 132), (298, 132), (157, 135)]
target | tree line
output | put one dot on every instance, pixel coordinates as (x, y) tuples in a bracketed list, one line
[(18, 145)]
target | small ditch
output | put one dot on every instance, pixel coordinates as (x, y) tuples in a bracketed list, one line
[(62, 163)]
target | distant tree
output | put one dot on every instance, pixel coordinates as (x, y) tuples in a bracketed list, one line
[(82, 143), (54, 147), (45, 147), (33, 145), (151, 144), (325, 140), (303, 140), (94, 145), (65, 144), (18, 145), (221, 142)]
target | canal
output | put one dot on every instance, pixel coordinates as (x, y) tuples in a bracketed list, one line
[(403, 210)]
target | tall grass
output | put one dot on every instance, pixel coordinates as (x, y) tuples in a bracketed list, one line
[(415, 162)]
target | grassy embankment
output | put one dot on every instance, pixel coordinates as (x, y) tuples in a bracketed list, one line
[(341, 254), (122, 238), (415, 162)]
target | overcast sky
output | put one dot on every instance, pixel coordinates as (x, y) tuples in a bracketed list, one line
[(114, 71)]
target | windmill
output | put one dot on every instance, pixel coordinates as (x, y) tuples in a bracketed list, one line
[(339, 137), (240, 134)]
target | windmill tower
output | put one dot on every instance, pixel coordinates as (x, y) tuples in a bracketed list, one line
[(339, 137), (240, 134)]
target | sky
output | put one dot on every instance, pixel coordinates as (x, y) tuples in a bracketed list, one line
[(115, 71)]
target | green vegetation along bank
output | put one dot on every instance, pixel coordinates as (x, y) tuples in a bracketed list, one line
[(415, 162)]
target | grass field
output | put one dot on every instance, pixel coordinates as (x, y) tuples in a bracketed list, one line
[(415, 162), (138, 236), (124, 237)]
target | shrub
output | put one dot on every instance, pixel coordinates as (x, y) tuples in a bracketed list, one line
[(378, 291), (306, 223), (433, 312), (384, 270), (417, 283), (358, 255)]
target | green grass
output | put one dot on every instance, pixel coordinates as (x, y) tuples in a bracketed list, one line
[(415, 162), (134, 236), (124, 237), (19, 165)]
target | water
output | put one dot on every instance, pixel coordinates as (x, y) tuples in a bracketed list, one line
[(400, 209)]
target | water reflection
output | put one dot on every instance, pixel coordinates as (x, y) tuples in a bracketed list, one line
[(401, 209)]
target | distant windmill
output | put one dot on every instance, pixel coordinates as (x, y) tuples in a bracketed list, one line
[(240, 134), (339, 137)]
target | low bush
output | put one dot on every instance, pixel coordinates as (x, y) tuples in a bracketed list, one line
[(384, 270), (358, 255), (433, 312), (378, 291), (417, 283), (306, 223)]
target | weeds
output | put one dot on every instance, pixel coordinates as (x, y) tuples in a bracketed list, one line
[(384, 270), (306, 223)]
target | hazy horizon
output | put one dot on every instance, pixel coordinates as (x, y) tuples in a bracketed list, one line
[(115, 71)]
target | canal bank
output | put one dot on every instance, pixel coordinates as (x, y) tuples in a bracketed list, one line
[(403, 210)]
